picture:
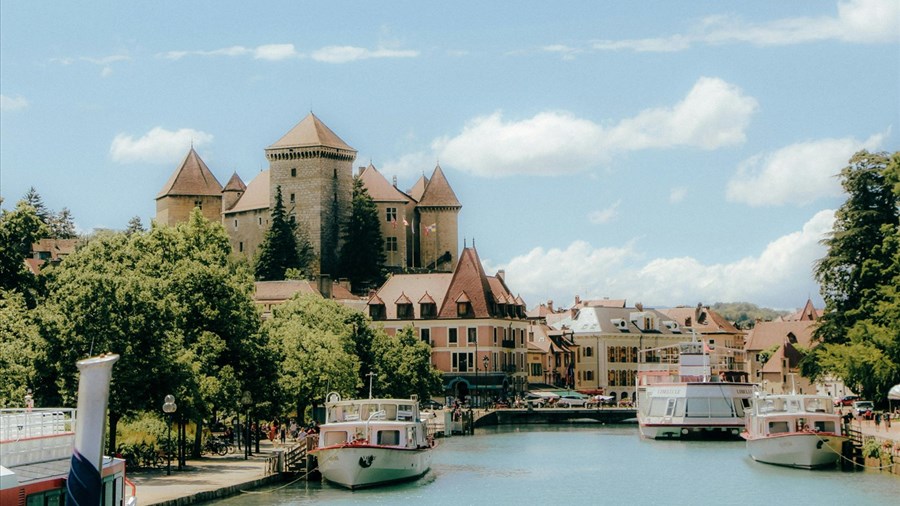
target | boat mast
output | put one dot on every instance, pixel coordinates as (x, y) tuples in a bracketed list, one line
[(370, 375)]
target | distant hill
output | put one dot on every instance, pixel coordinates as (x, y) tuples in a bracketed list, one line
[(745, 314)]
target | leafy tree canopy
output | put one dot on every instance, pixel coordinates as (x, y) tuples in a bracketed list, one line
[(403, 365), (278, 251)]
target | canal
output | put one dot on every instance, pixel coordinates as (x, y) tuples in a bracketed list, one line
[(592, 464)]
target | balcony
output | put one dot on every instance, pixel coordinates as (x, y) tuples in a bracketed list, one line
[(508, 343)]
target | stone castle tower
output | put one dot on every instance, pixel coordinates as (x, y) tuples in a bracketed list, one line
[(314, 169)]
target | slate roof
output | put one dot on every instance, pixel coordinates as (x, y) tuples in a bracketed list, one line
[(310, 132), (193, 177), (235, 184), (438, 192), (379, 188), (256, 196)]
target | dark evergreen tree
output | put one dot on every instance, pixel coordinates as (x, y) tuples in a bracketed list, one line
[(278, 252), (362, 256), (62, 225), (33, 198), (19, 229), (134, 225)]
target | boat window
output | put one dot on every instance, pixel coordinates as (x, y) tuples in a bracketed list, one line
[(824, 426), (816, 405), (52, 497), (334, 437), (697, 407), (793, 405), (670, 407), (366, 410), (405, 415), (658, 406), (390, 411), (389, 437), (720, 407), (738, 407), (679, 408), (778, 427)]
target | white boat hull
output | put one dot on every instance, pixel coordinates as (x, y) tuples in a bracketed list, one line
[(716, 431), (796, 449), (357, 466)]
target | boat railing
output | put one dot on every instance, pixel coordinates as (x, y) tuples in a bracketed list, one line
[(36, 435)]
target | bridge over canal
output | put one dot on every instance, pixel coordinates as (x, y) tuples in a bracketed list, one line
[(553, 415)]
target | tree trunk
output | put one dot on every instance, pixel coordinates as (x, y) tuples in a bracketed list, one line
[(113, 424), (198, 439)]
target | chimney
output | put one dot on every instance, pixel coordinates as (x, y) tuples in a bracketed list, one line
[(639, 306), (577, 300), (325, 286), (550, 305), (501, 274), (395, 181)]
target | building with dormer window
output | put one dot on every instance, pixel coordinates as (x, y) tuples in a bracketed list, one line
[(476, 327)]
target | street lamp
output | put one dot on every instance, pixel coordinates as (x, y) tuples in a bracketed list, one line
[(484, 360), (246, 400), (169, 408)]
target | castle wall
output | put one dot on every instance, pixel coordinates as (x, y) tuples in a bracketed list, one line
[(321, 186), (174, 209), (443, 240), (246, 231)]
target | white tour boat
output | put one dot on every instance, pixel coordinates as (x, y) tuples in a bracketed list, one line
[(691, 390), (368, 442), (794, 430)]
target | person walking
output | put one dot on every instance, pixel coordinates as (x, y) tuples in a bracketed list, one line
[(877, 422)]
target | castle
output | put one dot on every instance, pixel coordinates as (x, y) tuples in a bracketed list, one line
[(314, 169)]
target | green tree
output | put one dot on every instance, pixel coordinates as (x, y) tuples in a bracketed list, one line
[(62, 225), (34, 199), (310, 338), (278, 252), (175, 308), (19, 229), (859, 334), (134, 225), (21, 349), (403, 365), (362, 255)]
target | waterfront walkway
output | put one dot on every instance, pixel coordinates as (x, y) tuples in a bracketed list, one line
[(217, 477)]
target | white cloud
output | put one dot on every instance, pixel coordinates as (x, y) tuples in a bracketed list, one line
[(8, 103), (409, 165), (796, 174), (345, 54), (567, 53), (275, 52), (601, 216), (712, 115), (857, 21), (780, 276), (677, 194), (157, 145), (225, 51)]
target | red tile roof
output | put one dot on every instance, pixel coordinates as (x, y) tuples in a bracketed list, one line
[(468, 278), (379, 188), (438, 192), (311, 132), (235, 184)]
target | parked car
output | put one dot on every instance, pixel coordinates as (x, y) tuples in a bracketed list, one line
[(431, 404), (861, 408), (600, 400), (846, 400), (572, 399), (534, 400)]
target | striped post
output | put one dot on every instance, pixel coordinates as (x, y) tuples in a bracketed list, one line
[(83, 487)]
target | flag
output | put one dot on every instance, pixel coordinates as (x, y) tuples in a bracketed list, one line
[(405, 223), (394, 223), (430, 228)]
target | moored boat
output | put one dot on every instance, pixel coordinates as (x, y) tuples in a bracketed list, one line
[(691, 390), (369, 442), (794, 430)]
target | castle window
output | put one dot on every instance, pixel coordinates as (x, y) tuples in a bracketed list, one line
[(390, 244), (335, 174), (293, 172), (390, 214), (293, 217), (198, 204), (293, 199), (260, 220), (241, 246), (235, 224)]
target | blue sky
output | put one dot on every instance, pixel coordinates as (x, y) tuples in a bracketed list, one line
[(664, 152)]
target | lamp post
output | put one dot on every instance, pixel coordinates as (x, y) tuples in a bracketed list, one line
[(169, 408), (484, 360), (246, 400)]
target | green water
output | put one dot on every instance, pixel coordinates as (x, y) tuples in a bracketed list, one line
[(590, 464)]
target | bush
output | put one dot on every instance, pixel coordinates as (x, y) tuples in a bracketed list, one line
[(871, 449)]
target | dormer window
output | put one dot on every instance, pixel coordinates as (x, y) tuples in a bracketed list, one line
[(404, 311), (463, 305), (376, 311), (428, 310)]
